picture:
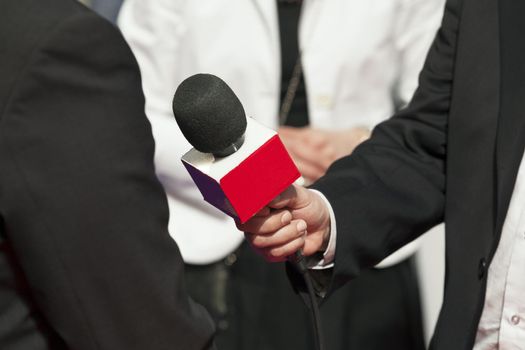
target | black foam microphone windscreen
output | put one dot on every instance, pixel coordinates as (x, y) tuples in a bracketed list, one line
[(209, 114)]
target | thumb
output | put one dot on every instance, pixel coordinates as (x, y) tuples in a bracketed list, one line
[(294, 197)]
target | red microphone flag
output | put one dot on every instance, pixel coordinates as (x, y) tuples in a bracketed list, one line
[(243, 183)]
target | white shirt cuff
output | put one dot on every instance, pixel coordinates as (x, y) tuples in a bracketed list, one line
[(328, 258)]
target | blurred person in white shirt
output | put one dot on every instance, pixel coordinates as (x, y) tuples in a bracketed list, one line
[(359, 63)]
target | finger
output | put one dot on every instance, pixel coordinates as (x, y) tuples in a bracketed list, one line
[(313, 244), (310, 171), (282, 200), (321, 157), (282, 253), (306, 161), (318, 158), (266, 224), (292, 231), (316, 138), (303, 150), (263, 212), (294, 197), (288, 131), (327, 156)]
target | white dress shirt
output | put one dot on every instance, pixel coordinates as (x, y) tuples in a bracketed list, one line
[(502, 324), (361, 59)]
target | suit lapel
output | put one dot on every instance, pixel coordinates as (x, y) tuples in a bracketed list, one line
[(511, 126)]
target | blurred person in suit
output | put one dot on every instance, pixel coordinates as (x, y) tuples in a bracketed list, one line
[(323, 73), (454, 154), (86, 261), (109, 9)]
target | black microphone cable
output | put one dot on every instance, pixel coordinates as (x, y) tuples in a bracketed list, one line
[(300, 264)]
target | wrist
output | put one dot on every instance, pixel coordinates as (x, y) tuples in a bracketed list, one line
[(324, 222)]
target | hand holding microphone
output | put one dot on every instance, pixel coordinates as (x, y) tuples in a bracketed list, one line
[(240, 166), (276, 236)]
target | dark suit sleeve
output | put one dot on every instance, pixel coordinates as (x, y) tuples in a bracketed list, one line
[(392, 188), (85, 213)]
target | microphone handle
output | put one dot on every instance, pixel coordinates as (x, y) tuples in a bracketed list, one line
[(299, 262)]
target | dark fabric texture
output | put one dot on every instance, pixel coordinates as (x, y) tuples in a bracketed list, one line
[(377, 311), (254, 307), (86, 261), (451, 155), (252, 303)]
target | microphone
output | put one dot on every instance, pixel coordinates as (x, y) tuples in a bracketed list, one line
[(238, 164), (210, 115)]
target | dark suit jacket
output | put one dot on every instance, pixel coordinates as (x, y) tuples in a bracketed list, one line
[(452, 155), (86, 261)]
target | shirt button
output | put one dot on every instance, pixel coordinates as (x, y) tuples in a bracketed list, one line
[(482, 268), (515, 320), (324, 101), (230, 259)]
